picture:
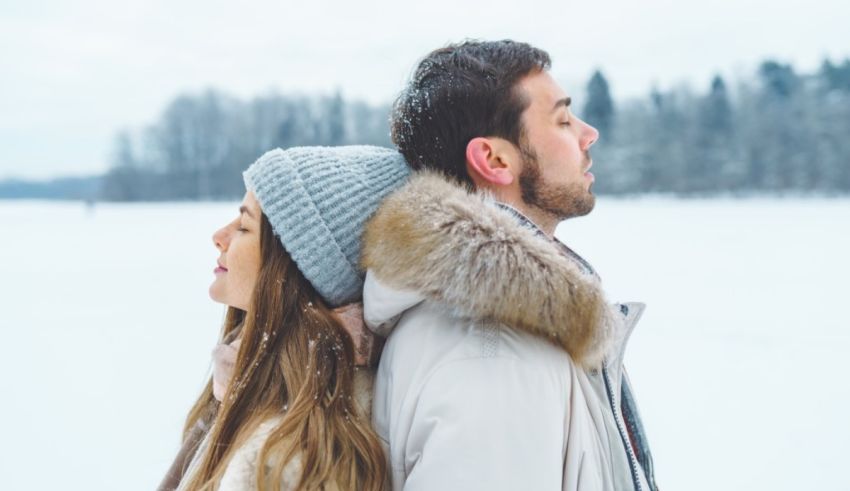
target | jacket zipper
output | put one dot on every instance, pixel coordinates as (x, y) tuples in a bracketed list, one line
[(588, 269), (623, 435)]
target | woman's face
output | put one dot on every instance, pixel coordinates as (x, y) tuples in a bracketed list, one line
[(239, 261)]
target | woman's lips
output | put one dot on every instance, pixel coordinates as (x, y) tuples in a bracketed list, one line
[(220, 269)]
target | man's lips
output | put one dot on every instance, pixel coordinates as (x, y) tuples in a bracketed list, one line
[(589, 174)]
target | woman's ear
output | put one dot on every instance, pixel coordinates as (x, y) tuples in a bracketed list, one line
[(486, 162)]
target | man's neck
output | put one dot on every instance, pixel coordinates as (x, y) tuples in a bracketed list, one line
[(544, 221), (585, 266)]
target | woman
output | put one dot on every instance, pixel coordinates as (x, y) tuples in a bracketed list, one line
[(285, 407)]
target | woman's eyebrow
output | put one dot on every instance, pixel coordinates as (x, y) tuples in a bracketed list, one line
[(244, 209)]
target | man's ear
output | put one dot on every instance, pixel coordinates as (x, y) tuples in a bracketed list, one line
[(487, 162)]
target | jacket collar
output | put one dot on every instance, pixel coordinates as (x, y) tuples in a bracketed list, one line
[(529, 223), (434, 239)]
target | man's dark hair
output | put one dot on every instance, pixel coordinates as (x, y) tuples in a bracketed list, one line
[(461, 92)]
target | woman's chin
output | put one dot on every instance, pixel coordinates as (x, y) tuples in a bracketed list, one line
[(215, 295)]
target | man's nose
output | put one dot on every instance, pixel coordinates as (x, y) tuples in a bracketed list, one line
[(589, 137)]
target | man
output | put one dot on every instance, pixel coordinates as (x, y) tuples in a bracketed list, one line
[(503, 365)]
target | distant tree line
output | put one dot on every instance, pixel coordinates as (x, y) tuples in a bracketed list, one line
[(200, 145), (86, 188), (779, 132)]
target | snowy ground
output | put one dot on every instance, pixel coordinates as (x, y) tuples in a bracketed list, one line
[(740, 363)]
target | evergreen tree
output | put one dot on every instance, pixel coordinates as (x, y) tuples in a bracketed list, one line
[(599, 108), (711, 163), (836, 77), (779, 81), (777, 141), (716, 109)]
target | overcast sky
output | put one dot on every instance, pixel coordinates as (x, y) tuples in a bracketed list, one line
[(73, 73)]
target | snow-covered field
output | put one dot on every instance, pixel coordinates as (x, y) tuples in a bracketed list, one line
[(740, 363)]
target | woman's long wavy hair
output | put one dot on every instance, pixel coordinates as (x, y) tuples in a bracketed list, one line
[(296, 361)]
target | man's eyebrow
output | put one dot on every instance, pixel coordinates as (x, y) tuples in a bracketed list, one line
[(566, 101), (244, 209)]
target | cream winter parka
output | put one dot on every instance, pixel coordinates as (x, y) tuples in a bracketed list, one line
[(503, 365)]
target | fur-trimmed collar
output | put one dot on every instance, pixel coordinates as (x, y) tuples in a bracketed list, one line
[(435, 238)]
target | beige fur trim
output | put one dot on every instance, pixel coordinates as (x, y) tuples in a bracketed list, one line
[(460, 248)]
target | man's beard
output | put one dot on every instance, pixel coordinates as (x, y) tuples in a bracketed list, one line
[(561, 201)]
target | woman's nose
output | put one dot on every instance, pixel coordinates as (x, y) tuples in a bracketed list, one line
[(221, 239)]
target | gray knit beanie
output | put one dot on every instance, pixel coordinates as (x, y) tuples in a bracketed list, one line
[(317, 200)]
